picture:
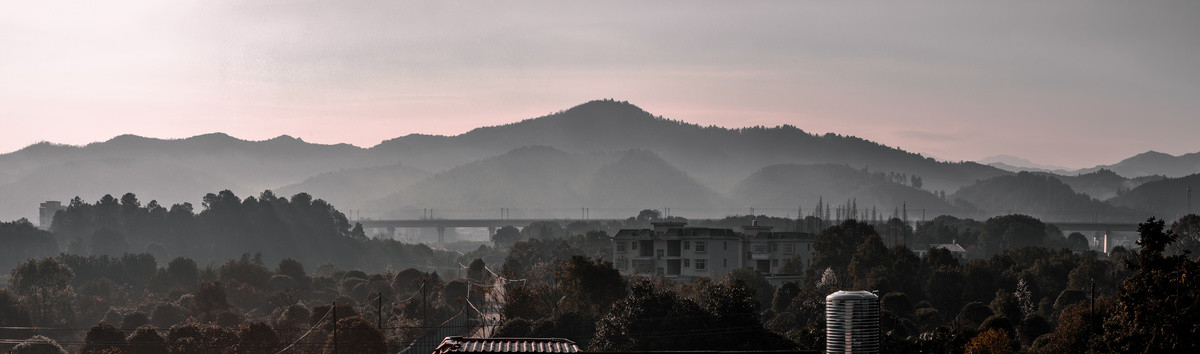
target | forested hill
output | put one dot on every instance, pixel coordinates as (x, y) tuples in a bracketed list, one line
[(713, 159), (718, 157), (171, 170), (1154, 163), (790, 185), (1167, 198), (1041, 196), (541, 180)]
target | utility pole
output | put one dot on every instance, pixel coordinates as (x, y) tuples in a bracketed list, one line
[(1092, 307), (424, 303), (380, 313), (334, 309)]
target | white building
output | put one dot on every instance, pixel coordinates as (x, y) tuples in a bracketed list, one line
[(46, 213), (673, 250), (768, 251)]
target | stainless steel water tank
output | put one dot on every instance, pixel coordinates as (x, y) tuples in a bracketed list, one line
[(852, 322)]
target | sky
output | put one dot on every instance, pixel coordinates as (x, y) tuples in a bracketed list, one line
[(1068, 83)]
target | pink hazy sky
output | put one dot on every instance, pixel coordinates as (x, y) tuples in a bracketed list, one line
[(1068, 83)]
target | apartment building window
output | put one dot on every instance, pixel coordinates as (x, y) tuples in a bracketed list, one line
[(789, 248), (622, 262), (760, 248), (774, 247), (659, 252), (687, 262), (774, 263), (633, 245), (725, 245), (725, 263), (701, 247), (687, 245), (701, 264), (621, 246)]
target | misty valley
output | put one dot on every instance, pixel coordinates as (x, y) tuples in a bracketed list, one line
[(599, 228)]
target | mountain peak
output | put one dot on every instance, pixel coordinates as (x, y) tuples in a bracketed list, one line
[(286, 138), (1151, 155)]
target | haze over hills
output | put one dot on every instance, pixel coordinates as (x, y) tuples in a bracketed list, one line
[(600, 154), (1039, 195), (1166, 198), (717, 157), (1154, 163), (792, 186), (353, 187), (1017, 164)]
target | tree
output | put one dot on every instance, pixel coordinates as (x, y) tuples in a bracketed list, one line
[(506, 236), (184, 272), (210, 300), (1077, 241), (868, 265), (649, 319), (103, 337), (792, 265), (38, 345), (134, 319), (648, 215), (763, 290), (257, 337), (784, 296), (168, 314), (356, 335), (46, 286), (834, 247), (22, 240), (1011, 231), (1078, 330), (145, 340), (992, 341), (109, 242), (292, 268), (454, 294), (477, 271), (1157, 307), (1187, 231), (543, 230), (897, 303), (590, 286)]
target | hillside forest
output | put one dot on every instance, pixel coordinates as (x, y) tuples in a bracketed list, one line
[(118, 276)]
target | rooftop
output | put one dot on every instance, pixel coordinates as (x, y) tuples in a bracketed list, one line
[(506, 345)]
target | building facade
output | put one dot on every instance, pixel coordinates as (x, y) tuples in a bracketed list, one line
[(46, 213), (673, 250)]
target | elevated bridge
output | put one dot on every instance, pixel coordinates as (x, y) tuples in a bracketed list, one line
[(493, 223), (442, 224)]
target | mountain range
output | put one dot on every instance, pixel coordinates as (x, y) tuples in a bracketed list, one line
[(607, 156)]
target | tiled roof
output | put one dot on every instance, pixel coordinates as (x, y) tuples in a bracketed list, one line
[(506, 345), (626, 233), (701, 232), (785, 235), (953, 247)]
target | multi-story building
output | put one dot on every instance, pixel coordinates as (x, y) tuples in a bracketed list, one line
[(46, 213), (673, 250), (767, 251)]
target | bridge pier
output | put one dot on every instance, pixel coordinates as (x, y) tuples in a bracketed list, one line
[(441, 234), (391, 233), (491, 232)]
